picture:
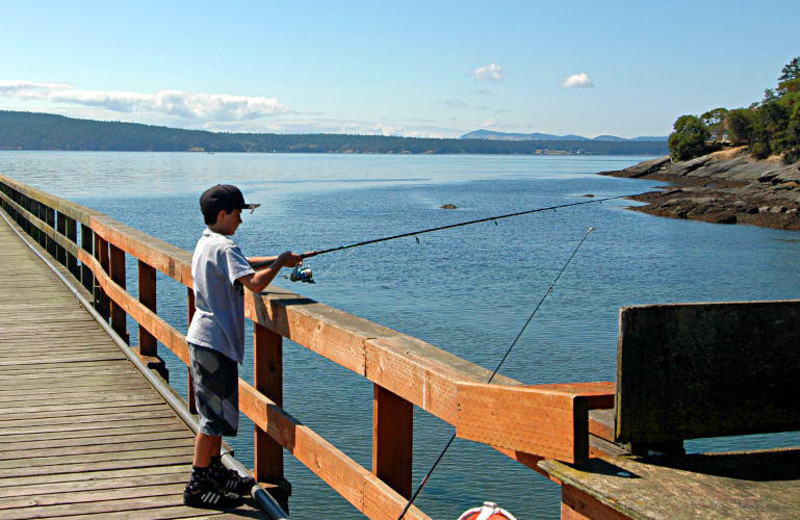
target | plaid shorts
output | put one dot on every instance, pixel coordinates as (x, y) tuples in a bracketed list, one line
[(216, 391)]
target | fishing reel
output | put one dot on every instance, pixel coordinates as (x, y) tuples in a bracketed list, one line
[(301, 273)]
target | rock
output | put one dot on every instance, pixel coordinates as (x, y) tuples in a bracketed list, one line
[(589, 195), (726, 219), (642, 169), (448, 206), (727, 187)]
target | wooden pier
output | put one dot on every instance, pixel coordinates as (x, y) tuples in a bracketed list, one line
[(81, 431), (84, 434)]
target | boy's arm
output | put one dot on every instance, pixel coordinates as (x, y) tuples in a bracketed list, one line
[(259, 280), (262, 260)]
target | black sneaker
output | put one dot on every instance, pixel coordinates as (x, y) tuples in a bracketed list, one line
[(230, 480), (205, 493)]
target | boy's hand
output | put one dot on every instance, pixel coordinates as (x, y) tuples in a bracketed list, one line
[(289, 259), (259, 280)]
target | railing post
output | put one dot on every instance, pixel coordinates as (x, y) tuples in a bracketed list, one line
[(33, 207), (38, 210), (189, 314), (87, 244), (392, 439), (50, 219), (148, 346), (101, 300), (117, 273), (61, 227), (268, 380), (71, 232)]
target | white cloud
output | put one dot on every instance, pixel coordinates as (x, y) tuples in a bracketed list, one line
[(578, 80), (454, 103), (215, 112), (175, 103), (335, 126), (489, 123), (28, 89), (490, 72)]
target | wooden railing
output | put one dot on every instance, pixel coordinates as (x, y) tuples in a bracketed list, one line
[(527, 423)]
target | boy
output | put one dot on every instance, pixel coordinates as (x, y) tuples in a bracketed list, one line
[(216, 342)]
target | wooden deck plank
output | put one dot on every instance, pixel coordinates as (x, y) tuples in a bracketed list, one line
[(69, 382), (100, 425), (20, 457), (8, 485), (66, 358), (79, 457), (58, 488), (186, 513), (83, 434), (96, 466), (15, 424), (78, 410), (120, 395), (73, 367), (142, 506), (131, 384), (92, 433), (49, 370), (77, 497), (54, 444)]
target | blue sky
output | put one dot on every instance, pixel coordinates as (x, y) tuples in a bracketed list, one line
[(412, 68)]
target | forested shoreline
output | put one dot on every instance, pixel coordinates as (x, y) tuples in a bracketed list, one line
[(770, 127), (37, 131)]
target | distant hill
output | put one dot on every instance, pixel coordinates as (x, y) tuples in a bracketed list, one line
[(608, 138), (651, 138), (36, 131), (507, 136)]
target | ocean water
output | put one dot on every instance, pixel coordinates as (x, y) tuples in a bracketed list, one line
[(467, 290)]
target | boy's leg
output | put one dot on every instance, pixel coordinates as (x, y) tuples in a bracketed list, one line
[(205, 447), (202, 489), (223, 418), (211, 388)]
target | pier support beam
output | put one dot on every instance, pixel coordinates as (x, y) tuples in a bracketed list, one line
[(117, 272), (148, 346), (190, 308), (268, 379), (392, 439), (577, 505)]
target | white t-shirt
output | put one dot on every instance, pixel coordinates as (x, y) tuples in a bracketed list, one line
[(218, 321)]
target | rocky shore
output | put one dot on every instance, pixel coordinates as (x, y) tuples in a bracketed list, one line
[(726, 187)]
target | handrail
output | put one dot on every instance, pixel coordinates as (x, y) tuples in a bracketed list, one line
[(535, 423), (267, 503)]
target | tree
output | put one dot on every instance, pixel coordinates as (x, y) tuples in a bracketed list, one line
[(790, 71), (716, 122), (769, 129), (789, 81), (689, 138), (740, 126)]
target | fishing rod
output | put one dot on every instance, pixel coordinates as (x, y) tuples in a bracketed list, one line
[(497, 369), (303, 273)]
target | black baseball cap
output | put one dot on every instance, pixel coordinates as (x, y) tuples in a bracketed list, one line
[(223, 197)]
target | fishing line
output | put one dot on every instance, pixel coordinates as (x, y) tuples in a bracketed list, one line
[(311, 254), (331, 265), (500, 364)]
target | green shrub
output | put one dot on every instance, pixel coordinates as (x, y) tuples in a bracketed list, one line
[(689, 138)]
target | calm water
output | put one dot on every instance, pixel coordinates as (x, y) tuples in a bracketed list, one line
[(468, 291)]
